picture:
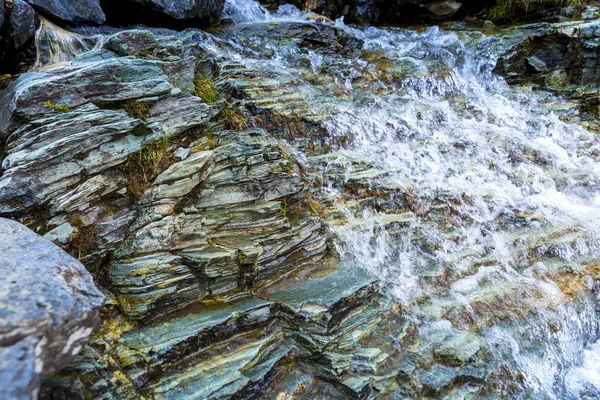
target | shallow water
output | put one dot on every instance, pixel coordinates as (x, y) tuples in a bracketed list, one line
[(502, 192)]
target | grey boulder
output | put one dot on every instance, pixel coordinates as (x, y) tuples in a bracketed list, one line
[(22, 23), (49, 306), (74, 11)]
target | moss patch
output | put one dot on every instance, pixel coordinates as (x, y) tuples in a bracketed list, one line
[(56, 107), (136, 109), (145, 165)]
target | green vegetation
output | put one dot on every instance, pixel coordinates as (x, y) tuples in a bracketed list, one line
[(506, 11), (145, 52), (283, 207), (208, 133), (241, 258), (231, 119), (55, 107), (136, 109), (204, 88), (146, 164)]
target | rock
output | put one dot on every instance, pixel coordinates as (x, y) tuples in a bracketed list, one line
[(70, 11), (487, 24), (541, 49), (49, 306), (2, 12), (590, 13), (70, 130), (172, 13), (537, 64), (22, 23), (443, 8), (309, 35)]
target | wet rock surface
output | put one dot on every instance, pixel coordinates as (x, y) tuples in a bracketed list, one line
[(173, 13), (70, 11), (49, 306), (231, 190)]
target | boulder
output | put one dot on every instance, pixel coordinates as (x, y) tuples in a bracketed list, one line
[(170, 13), (1, 14), (22, 23), (49, 306), (540, 52), (70, 11)]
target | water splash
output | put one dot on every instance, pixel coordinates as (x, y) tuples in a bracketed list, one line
[(489, 221)]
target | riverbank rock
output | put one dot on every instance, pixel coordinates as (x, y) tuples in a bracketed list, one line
[(17, 30), (70, 11), (544, 50), (174, 14), (49, 306)]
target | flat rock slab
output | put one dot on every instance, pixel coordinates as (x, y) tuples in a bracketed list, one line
[(49, 306)]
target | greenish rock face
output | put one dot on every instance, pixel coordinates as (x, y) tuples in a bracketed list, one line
[(293, 208)]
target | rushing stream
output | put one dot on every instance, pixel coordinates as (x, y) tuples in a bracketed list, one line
[(501, 195), (473, 202)]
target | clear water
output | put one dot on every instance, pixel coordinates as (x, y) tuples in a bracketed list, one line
[(504, 191)]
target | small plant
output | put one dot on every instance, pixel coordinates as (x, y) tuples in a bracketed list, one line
[(55, 107), (210, 142), (283, 207), (241, 258), (209, 241), (231, 119), (137, 109), (205, 89), (289, 167), (145, 52), (146, 164), (509, 10)]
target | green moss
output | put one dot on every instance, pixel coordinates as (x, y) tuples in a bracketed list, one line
[(55, 107), (205, 89), (136, 109), (145, 52), (283, 207)]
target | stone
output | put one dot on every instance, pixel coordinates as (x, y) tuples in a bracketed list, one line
[(487, 24), (22, 23), (443, 8), (70, 11), (174, 13), (49, 306), (2, 12), (537, 64)]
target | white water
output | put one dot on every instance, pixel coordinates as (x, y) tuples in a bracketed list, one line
[(505, 194)]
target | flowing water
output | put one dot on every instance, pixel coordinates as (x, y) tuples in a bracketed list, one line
[(487, 219), (474, 203), (55, 46)]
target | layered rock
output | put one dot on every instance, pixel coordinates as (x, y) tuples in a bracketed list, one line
[(49, 306)]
